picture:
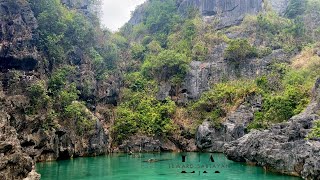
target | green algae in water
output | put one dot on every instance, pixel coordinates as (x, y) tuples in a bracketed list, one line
[(154, 166)]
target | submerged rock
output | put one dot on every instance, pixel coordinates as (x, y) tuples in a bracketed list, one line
[(283, 148)]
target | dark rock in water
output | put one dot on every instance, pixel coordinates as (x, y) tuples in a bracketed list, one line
[(139, 143), (142, 143), (283, 148), (212, 139)]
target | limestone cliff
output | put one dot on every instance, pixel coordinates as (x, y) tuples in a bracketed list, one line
[(284, 147), (225, 12), (17, 36), (24, 138)]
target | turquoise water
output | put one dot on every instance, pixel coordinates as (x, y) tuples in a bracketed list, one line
[(167, 166)]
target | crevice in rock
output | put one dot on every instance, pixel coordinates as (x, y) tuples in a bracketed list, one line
[(27, 143), (63, 155), (26, 64)]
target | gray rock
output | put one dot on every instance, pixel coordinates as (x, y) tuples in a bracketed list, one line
[(17, 36), (283, 147), (14, 163), (212, 138), (279, 6), (142, 143), (228, 13)]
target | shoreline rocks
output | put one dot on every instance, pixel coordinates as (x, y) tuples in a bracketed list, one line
[(210, 138), (283, 148)]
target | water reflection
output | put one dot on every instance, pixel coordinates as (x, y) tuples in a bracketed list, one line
[(153, 167)]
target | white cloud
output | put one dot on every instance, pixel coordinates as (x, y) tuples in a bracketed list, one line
[(117, 12)]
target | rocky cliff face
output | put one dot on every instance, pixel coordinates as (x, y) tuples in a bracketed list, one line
[(15, 164), (227, 13), (17, 36), (26, 139), (212, 138), (284, 147), (87, 7), (224, 12)]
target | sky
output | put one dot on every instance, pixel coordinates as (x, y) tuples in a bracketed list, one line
[(115, 13)]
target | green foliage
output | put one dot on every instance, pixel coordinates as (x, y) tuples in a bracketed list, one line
[(238, 50), (136, 82), (295, 8), (199, 51), (154, 47), (68, 95), (58, 79), (188, 30), (221, 99), (160, 16), (315, 132), (279, 32), (63, 31), (142, 113), (166, 65), (138, 51), (286, 92), (280, 108), (38, 96), (80, 115)]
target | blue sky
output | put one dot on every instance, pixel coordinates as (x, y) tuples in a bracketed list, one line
[(117, 12)]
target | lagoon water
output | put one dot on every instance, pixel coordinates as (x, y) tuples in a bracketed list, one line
[(154, 166)]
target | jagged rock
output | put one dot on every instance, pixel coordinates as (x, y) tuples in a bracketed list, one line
[(142, 143), (212, 138), (14, 163), (64, 143), (279, 6), (284, 147), (87, 7), (33, 175), (17, 36), (227, 12), (138, 13)]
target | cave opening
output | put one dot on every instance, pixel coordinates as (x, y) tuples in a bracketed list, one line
[(26, 64)]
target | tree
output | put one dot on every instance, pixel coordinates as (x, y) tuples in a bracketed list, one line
[(238, 50), (165, 66), (295, 8)]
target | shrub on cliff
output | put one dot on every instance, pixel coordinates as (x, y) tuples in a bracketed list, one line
[(38, 96), (315, 132), (140, 111), (144, 114), (238, 50), (166, 65), (222, 99), (80, 116), (59, 79), (295, 8)]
